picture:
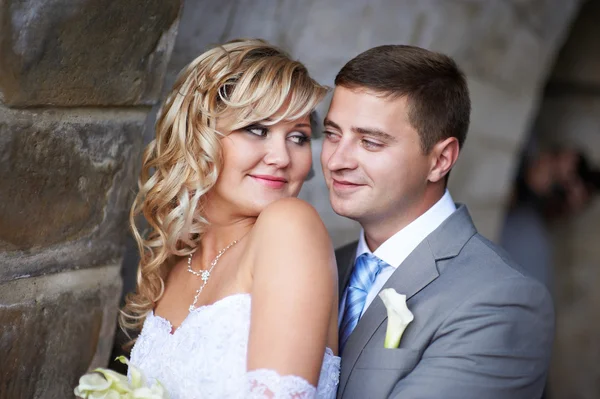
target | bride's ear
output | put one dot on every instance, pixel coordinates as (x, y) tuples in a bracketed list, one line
[(442, 157)]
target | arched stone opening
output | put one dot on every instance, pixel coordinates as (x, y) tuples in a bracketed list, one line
[(506, 49), (569, 115)]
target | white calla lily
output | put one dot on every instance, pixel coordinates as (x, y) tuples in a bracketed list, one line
[(159, 390), (398, 316), (137, 378), (91, 382), (118, 382), (108, 384), (110, 394)]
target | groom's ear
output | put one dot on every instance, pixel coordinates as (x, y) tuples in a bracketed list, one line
[(443, 156)]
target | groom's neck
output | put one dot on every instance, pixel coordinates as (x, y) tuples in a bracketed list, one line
[(379, 229)]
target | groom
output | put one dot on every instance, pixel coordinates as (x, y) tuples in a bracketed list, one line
[(482, 328)]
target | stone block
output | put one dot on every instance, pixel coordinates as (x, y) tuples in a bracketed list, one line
[(509, 44), (66, 183), (579, 60), (53, 329), (499, 114), (88, 52)]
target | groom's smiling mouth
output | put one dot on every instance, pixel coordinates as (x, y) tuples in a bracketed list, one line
[(345, 185)]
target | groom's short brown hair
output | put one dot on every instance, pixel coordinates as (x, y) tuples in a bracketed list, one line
[(435, 88)]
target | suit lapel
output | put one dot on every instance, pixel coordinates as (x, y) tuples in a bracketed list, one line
[(414, 274)]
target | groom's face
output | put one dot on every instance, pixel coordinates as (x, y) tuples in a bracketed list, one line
[(372, 159)]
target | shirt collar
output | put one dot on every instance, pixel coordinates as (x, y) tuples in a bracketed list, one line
[(397, 248)]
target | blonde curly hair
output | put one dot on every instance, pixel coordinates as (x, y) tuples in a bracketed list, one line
[(251, 80)]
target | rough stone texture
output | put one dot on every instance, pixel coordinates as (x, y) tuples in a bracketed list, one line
[(574, 372), (89, 52), (505, 47), (574, 119), (579, 63), (51, 327), (570, 115), (69, 160), (67, 183)]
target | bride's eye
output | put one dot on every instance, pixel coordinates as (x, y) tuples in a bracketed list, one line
[(257, 130), (299, 138)]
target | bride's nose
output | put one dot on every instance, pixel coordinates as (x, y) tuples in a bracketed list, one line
[(277, 153)]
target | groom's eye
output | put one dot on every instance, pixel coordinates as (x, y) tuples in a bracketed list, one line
[(329, 135), (368, 144)]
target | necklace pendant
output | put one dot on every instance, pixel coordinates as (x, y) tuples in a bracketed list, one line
[(205, 276)]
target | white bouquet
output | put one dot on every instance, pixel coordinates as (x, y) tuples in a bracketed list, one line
[(108, 384)]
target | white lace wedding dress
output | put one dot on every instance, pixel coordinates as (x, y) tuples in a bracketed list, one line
[(206, 357)]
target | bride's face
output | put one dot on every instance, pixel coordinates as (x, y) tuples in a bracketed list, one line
[(262, 164)]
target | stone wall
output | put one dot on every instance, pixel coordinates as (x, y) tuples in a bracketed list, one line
[(570, 115), (77, 80)]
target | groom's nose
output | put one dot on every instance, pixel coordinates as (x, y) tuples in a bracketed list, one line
[(342, 157)]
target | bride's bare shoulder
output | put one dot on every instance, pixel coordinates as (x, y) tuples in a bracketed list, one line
[(289, 214), (292, 225)]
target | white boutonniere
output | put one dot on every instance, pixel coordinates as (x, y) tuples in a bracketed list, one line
[(398, 316)]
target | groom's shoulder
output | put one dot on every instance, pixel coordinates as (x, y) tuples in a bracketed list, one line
[(483, 273), (485, 263), (480, 248)]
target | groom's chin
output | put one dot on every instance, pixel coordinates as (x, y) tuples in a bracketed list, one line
[(343, 206)]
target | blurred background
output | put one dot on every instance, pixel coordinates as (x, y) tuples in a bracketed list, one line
[(80, 83)]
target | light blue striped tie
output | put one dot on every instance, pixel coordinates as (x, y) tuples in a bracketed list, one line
[(366, 269)]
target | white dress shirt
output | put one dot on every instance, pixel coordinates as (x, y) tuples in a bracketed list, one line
[(397, 248)]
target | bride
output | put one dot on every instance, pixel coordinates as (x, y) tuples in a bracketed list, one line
[(237, 284)]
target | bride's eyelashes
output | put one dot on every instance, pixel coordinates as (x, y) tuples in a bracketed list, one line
[(299, 138), (257, 130), (262, 131)]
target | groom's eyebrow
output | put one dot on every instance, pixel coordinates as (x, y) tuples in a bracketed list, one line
[(374, 132), (329, 122)]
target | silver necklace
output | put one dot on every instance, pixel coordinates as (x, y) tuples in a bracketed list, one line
[(205, 274)]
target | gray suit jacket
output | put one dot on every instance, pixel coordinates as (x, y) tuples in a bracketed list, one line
[(483, 329)]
